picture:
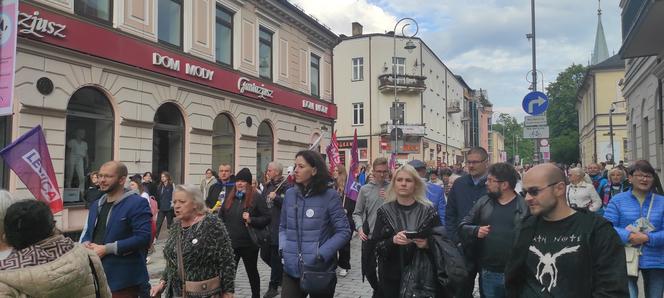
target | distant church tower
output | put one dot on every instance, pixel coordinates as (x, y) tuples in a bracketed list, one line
[(601, 51)]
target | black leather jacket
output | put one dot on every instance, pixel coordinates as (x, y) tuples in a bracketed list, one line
[(479, 216)]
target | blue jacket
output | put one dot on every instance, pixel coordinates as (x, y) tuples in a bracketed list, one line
[(461, 198), (128, 233), (436, 194), (322, 226), (624, 209)]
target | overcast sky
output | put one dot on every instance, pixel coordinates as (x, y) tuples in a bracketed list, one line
[(484, 40)]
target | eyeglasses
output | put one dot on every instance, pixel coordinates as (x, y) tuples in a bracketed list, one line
[(534, 191), (645, 177), (475, 162)]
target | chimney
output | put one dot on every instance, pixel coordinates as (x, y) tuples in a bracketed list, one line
[(357, 29)]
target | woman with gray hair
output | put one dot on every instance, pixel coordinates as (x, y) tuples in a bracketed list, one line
[(198, 251), (6, 200), (581, 194)]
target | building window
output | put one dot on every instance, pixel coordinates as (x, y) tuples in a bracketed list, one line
[(265, 53), (358, 69), (224, 36), (400, 64), (314, 73), (170, 22), (100, 10), (398, 114), (358, 113)]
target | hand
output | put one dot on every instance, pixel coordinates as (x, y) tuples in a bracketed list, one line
[(382, 193), (638, 238), (100, 250), (246, 217), (401, 239), (483, 231), (156, 290), (421, 243), (272, 195), (362, 235)]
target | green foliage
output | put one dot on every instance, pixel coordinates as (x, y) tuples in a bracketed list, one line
[(562, 116), (512, 130)]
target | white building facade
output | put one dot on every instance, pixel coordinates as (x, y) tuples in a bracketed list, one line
[(430, 99)]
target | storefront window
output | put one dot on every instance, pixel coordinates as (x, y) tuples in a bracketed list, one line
[(168, 142), (88, 140), (95, 9), (170, 22), (223, 142), (264, 149)]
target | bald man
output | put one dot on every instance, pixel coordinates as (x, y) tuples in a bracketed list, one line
[(560, 251)]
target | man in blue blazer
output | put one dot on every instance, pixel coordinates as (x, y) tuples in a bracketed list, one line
[(119, 232)]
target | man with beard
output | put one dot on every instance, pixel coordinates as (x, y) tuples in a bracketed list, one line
[(223, 187), (488, 231), (274, 196), (119, 232), (560, 251)]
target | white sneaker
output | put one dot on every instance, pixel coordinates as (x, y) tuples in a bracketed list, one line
[(343, 272)]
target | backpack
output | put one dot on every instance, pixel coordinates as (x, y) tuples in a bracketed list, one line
[(449, 258)]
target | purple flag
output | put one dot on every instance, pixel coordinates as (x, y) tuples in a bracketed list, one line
[(352, 186), (28, 157)]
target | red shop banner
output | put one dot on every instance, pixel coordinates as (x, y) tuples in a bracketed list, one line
[(70, 33)]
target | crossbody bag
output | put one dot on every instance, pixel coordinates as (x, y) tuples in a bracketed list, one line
[(206, 288), (632, 254), (313, 280)]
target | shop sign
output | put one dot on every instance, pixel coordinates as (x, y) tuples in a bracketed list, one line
[(314, 106), (37, 26), (243, 85), (174, 64), (347, 144)]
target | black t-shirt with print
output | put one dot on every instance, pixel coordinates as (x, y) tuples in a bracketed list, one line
[(554, 256)]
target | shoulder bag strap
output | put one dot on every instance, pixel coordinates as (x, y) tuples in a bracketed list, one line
[(95, 278), (178, 249), (652, 199), (300, 259)]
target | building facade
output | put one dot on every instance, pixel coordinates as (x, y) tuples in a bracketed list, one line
[(168, 85), (496, 148), (643, 52), (430, 99), (601, 110)]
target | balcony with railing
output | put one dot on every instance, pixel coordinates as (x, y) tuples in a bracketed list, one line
[(404, 83), (642, 23), (454, 107)]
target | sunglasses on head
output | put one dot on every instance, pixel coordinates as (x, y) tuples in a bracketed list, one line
[(534, 191)]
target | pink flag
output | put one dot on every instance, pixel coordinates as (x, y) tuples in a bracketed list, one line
[(333, 152), (352, 186), (28, 157), (8, 27)]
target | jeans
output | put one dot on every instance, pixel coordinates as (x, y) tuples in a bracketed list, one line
[(270, 255), (249, 256), (493, 284), (290, 288), (344, 257), (653, 283)]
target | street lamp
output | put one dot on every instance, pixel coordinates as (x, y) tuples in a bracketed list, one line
[(410, 46), (611, 110)]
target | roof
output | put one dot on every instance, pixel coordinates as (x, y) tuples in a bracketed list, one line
[(614, 62), (463, 82)]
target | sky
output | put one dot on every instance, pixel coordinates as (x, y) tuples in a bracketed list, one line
[(485, 40)]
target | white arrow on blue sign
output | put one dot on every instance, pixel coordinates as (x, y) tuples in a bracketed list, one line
[(535, 103)]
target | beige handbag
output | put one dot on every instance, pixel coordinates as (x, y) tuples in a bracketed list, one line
[(632, 254), (196, 288)]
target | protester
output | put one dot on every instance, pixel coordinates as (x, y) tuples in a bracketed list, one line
[(45, 263), (581, 194), (245, 209), (136, 186), (406, 248), (490, 228), (433, 178), (348, 204), (218, 191), (92, 193), (311, 244), (119, 232), (207, 182), (149, 185), (206, 252), (445, 175), (273, 195), (638, 218), (594, 172), (435, 193), (465, 191), (370, 198), (362, 176), (165, 200), (6, 200), (617, 182), (560, 251)]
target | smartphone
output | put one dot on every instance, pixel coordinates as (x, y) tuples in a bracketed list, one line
[(414, 235)]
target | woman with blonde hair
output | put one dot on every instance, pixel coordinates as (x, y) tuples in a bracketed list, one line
[(581, 194), (341, 176), (409, 234)]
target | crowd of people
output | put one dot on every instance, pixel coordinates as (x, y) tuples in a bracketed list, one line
[(536, 231)]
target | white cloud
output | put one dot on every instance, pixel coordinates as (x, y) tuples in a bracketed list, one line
[(339, 14)]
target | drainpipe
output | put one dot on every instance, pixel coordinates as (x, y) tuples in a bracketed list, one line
[(371, 81)]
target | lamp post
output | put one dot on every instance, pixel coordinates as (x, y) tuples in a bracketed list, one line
[(611, 110), (409, 46)]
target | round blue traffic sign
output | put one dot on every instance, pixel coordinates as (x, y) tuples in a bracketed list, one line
[(535, 103)]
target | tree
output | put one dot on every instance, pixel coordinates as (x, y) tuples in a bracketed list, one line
[(512, 130), (562, 116)]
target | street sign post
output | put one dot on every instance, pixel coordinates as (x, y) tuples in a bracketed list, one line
[(535, 120), (535, 103), (535, 132)]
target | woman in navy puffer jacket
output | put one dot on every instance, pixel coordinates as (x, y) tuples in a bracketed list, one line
[(321, 224), (628, 212)]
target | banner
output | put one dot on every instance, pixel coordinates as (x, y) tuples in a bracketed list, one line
[(28, 157), (333, 153), (8, 28), (352, 186)]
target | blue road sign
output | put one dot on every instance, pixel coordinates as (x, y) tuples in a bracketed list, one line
[(535, 103)]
